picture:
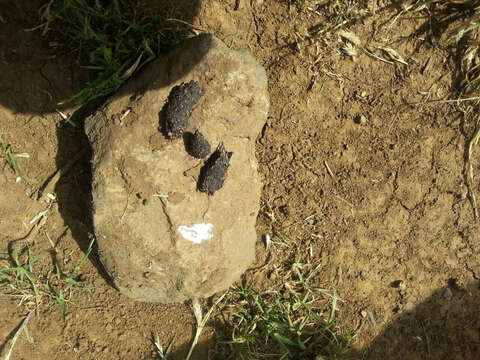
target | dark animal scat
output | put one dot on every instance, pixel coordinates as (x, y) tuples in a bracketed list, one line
[(196, 144), (214, 172), (177, 110)]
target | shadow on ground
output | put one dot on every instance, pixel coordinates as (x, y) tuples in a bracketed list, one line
[(444, 327), (34, 76), (37, 70)]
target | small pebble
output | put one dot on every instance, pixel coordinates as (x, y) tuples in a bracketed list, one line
[(363, 313), (409, 306), (272, 276), (398, 284)]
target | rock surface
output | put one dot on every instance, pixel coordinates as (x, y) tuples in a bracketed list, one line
[(161, 239)]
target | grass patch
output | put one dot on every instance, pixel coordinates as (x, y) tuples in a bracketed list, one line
[(335, 15), (287, 326), (112, 39), (9, 156), (471, 10), (469, 33), (466, 14), (162, 354), (20, 280)]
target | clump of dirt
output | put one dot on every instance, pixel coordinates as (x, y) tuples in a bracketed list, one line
[(178, 109), (214, 172), (196, 145)]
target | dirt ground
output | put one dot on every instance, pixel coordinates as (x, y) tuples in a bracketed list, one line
[(355, 179)]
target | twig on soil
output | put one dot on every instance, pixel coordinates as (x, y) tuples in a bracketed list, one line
[(18, 332), (45, 193), (404, 10), (201, 321), (447, 101), (191, 26), (376, 57), (66, 118), (328, 169), (50, 184), (41, 214), (163, 355), (126, 207), (347, 202), (427, 340), (38, 220), (472, 143)]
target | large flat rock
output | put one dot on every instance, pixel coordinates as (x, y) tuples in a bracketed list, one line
[(159, 237)]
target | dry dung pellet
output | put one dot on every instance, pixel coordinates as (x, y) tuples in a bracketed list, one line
[(196, 145), (214, 172), (177, 110)]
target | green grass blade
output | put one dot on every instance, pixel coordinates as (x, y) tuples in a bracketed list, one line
[(285, 341), (85, 257), (15, 255)]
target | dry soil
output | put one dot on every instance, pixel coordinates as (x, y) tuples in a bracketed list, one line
[(356, 178)]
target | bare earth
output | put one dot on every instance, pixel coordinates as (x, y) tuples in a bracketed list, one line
[(355, 179)]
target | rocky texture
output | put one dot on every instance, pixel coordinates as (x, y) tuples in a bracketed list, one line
[(160, 238)]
